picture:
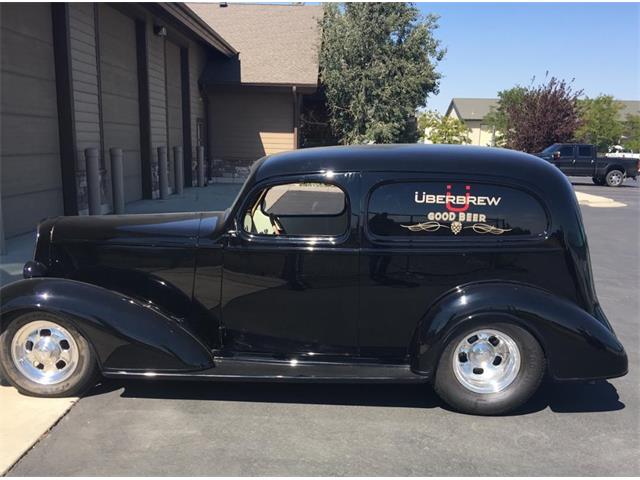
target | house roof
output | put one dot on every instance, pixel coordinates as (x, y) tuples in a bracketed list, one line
[(629, 107), (478, 108), (277, 44), (472, 108)]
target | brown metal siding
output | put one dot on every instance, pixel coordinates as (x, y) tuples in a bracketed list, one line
[(30, 171), (157, 99), (119, 89), (247, 125), (174, 104), (84, 74), (197, 63)]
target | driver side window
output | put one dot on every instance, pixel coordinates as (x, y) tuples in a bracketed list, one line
[(566, 151), (298, 210)]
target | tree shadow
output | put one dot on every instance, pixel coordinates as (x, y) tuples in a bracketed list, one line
[(599, 396)]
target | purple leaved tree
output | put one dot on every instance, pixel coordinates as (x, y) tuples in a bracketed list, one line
[(542, 115)]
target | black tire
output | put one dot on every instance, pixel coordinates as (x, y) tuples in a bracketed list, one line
[(84, 374), (614, 178), (598, 181), (526, 382)]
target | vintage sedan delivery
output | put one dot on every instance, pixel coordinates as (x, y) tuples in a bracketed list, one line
[(464, 266)]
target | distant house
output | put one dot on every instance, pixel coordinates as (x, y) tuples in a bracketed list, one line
[(139, 76), (255, 101), (473, 112)]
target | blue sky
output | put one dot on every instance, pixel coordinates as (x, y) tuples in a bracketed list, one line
[(493, 46)]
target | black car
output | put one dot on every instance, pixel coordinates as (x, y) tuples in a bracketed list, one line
[(466, 267), (582, 160)]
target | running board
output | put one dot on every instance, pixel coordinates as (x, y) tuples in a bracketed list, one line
[(260, 369)]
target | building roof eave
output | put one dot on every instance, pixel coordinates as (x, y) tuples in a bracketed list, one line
[(300, 87), (190, 19)]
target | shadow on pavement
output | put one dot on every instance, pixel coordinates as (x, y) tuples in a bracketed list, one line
[(600, 396), (589, 183)]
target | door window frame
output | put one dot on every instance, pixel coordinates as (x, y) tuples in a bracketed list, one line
[(571, 155), (307, 241)]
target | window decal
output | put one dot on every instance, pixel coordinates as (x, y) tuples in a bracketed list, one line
[(445, 209), (456, 206)]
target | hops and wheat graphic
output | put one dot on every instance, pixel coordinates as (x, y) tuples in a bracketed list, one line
[(456, 227)]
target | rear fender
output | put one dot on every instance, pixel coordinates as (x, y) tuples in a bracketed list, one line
[(576, 344), (125, 333)]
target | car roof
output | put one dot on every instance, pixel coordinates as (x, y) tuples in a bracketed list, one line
[(454, 159)]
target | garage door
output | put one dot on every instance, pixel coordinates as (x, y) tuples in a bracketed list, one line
[(174, 103), (29, 151), (119, 87)]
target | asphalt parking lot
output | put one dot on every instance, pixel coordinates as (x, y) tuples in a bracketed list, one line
[(189, 428)]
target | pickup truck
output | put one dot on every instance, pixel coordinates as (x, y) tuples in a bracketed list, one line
[(582, 160)]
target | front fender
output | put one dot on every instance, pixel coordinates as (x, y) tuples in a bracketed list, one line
[(576, 344), (125, 333)]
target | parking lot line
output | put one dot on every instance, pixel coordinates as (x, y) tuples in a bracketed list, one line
[(597, 201)]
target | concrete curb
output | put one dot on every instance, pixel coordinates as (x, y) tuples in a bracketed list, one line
[(24, 420)]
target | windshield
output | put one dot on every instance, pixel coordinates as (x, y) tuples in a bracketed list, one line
[(551, 148)]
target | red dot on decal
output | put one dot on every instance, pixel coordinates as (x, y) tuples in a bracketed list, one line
[(448, 187), (468, 187)]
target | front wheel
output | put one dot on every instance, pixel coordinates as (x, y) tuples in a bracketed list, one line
[(44, 355), (490, 370)]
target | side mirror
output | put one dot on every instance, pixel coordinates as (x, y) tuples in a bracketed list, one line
[(556, 155), (233, 237)]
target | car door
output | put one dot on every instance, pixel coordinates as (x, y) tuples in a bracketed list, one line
[(566, 159), (290, 269), (585, 160)]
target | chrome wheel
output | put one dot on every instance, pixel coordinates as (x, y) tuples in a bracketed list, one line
[(615, 178), (486, 361), (44, 352)]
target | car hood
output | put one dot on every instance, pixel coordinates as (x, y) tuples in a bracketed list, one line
[(181, 229)]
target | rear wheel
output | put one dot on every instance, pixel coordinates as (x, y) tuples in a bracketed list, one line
[(490, 370), (614, 178), (43, 355)]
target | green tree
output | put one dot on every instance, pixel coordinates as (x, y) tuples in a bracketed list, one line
[(377, 67), (600, 123), (442, 129), (631, 133), (498, 117)]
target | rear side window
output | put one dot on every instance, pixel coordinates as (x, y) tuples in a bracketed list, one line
[(584, 151), (437, 210)]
